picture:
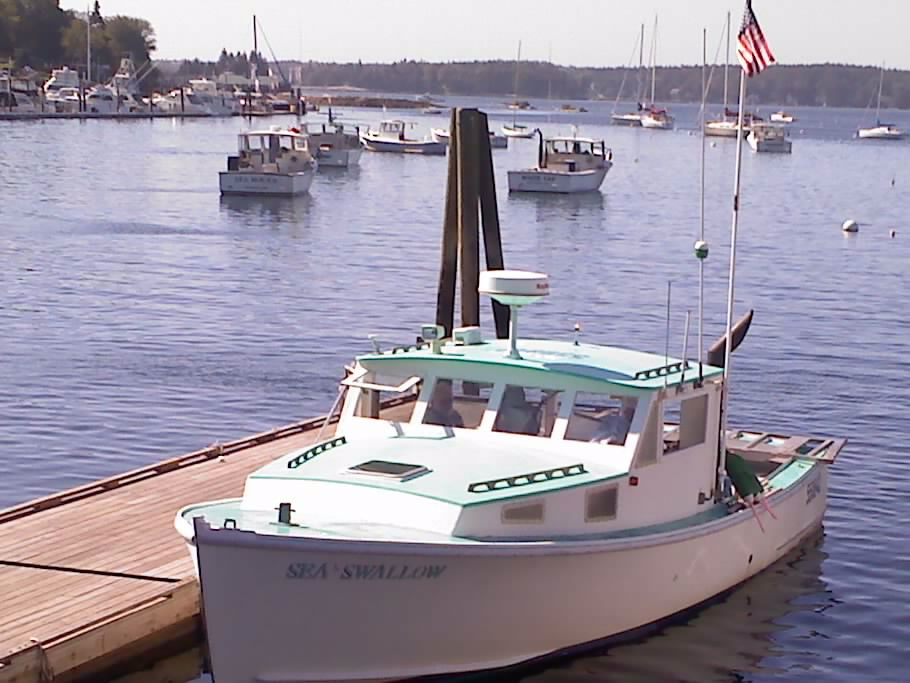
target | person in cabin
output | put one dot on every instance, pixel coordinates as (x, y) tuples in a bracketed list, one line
[(516, 415), (614, 426), (441, 409)]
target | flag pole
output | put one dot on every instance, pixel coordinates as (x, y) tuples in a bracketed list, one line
[(728, 346)]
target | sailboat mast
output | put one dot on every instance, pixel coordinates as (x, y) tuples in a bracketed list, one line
[(654, 61), (878, 106), (515, 85), (641, 63), (88, 44), (254, 61), (727, 64)]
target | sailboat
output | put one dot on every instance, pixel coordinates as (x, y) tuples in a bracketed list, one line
[(726, 125), (881, 131), (655, 117), (633, 118), (517, 130)]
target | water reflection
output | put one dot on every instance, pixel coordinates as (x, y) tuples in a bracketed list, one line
[(266, 209), (562, 207)]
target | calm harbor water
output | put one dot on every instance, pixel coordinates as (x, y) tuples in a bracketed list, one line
[(143, 316)]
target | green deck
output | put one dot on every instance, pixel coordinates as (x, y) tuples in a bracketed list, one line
[(586, 365)]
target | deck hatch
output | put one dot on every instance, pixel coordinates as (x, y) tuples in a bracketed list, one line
[(526, 479), (401, 471)]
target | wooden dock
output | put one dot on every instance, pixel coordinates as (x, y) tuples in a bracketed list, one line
[(96, 576)]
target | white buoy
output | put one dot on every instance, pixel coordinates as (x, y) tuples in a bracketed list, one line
[(713, 144), (850, 226), (892, 233)]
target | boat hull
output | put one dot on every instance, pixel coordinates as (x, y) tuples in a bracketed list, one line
[(522, 133), (429, 147), (338, 158), (722, 129), (561, 182), (770, 146), (880, 133), (338, 609), (259, 183), (631, 120), (657, 123)]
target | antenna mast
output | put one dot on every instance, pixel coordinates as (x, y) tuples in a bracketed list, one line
[(701, 246)]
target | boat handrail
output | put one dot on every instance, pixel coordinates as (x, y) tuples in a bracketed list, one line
[(313, 451), (526, 479), (660, 371)]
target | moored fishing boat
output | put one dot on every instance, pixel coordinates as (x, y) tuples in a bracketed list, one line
[(269, 162), (500, 508), (769, 137), (496, 141), (332, 145), (391, 137), (564, 165)]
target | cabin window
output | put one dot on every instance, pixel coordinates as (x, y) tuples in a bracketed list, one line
[(600, 418), (388, 397), (600, 504), (526, 410), (523, 513), (685, 423), (457, 403)]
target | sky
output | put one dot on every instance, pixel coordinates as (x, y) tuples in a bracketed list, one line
[(574, 32)]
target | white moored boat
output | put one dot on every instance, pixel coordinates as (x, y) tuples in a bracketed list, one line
[(657, 119), (496, 141), (514, 500), (565, 165), (769, 137), (880, 131), (333, 145), (782, 117), (269, 162), (391, 137)]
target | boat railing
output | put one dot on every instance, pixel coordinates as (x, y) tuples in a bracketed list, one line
[(527, 479)]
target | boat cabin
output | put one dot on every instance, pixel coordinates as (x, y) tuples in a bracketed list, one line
[(769, 132), (271, 151), (574, 154), (392, 129), (467, 440)]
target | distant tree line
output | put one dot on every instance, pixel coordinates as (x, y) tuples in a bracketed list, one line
[(41, 35), (835, 85)]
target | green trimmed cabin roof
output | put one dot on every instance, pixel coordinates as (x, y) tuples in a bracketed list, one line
[(618, 367)]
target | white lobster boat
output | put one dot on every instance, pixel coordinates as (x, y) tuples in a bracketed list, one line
[(496, 141), (489, 503), (565, 165), (269, 162), (769, 137), (333, 145), (391, 137)]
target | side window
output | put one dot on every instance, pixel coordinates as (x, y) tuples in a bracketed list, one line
[(685, 423), (456, 403), (387, 403), (601, 418)]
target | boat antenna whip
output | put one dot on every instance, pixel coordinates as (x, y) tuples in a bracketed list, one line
[(701, 246), (667, 344)]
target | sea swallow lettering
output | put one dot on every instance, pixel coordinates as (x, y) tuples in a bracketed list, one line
[(365, 572)]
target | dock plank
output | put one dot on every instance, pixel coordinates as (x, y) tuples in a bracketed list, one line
[(73, 603)]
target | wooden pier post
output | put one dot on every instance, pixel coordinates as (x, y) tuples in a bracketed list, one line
[(182, 103), (470, 188)]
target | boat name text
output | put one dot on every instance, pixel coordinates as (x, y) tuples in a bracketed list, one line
[(363, 572)]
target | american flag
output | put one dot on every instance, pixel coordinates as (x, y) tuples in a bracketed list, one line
[(752, 48)]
